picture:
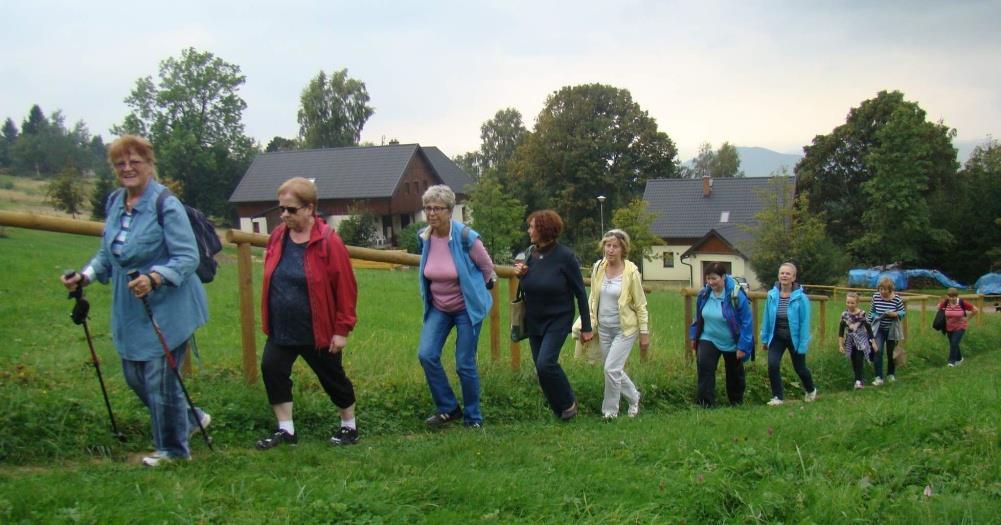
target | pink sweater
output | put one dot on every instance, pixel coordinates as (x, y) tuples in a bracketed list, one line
[(440, 270)]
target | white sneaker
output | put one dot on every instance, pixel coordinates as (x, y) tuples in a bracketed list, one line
[(959, 362), (952, 365), (156, 459), (859, 385), (206, 420), (878, 381), (891, 378), (634, 409), (810, 397), (775, 402), (608, 416)]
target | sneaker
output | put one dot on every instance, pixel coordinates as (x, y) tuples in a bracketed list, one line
[(473, 424), (157, 459), (608, 416), (951, 364), (634, 409), (859, 385), (205, 420), (891, 378), (878, 381), (959, 362), (345, 436), (810, 397), (569, 413), (775, 402), (443, 418), (280, 436)]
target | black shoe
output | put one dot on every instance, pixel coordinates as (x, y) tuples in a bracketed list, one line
[(344, 436), (442, 418), (280, 436), (569, 413)]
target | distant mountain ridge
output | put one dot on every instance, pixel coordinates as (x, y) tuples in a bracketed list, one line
[(762, 162)]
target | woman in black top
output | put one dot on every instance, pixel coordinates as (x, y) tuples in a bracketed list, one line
[(550, 280)]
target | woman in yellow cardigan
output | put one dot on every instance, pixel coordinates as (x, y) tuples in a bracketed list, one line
[(618, 310)]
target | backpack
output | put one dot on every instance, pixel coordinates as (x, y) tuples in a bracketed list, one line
[(205, 236)]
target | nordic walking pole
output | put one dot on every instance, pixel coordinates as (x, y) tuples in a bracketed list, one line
[(172, 363), (79, 316)]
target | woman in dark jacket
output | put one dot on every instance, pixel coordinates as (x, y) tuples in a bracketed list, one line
[(551, 280), (722, 327)]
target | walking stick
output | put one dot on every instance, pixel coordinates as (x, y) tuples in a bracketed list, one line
[(79, 316), (172, 363)]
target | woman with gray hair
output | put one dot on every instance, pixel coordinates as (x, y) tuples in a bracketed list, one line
[(455, 273), (787, 327), (618, 310)]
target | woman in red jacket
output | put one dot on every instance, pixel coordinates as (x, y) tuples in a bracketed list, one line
[(956, 322), (307, 309)]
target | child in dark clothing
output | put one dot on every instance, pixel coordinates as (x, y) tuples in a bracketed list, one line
[(855, 337)]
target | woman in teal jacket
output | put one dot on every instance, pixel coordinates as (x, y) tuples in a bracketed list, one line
[(787, 327)]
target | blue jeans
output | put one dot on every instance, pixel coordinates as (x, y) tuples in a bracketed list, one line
[(433, 335), (955, 355), (776, 348), (555, 385), (157, 387), (884, 345)]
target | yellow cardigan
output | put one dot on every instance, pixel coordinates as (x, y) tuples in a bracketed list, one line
[(633, 315)]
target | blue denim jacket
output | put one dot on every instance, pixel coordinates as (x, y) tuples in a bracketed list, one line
[(179, 305), (474, 291), (799, 318)]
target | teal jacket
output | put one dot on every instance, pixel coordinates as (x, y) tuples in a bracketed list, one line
[(799, 318), (179, 305), (474, 291)]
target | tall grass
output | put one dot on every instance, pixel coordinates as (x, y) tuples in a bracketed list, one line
[(851, 457)]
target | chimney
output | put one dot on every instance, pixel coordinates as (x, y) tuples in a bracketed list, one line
[(707, 186)]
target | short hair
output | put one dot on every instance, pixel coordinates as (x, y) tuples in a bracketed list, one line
[(619, 235), (952, 292), (795, 271), (548, 224), (126, 144), (886, 283), (300, 188), (715, 268), (851, 295), (439, 193)]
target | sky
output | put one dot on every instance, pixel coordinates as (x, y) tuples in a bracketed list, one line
[(772, 74)]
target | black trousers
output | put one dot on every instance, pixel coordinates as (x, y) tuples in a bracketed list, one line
[(776, 348), (555, 385), (858, 359), (276, 368), (707, 359)]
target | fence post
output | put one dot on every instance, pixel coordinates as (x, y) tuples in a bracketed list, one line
[(495, 324), (823, 321), (515, 347), (245, 277)]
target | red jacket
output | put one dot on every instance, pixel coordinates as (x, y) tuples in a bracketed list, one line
[(330, 282)]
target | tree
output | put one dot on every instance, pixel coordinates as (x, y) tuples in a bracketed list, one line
[(7, 141), (497, 216), (837, 165), (360, 228), (500, 137), (332, 112), (589, 140), (408, 236), (45, 146), (66, 192), (106, 183), (787, 231), (635, 220), (722, 163), (281, 144), (470, 162), (35, 123), (193, 116)]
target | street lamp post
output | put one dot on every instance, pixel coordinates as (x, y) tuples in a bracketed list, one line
[(601, 210)]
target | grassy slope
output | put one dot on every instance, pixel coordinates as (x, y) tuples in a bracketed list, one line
[(850, 457)]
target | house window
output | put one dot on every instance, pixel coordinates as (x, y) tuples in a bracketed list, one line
[(724, 216), (668, 259)]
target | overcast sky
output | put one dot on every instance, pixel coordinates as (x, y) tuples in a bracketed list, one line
[(769, 73)]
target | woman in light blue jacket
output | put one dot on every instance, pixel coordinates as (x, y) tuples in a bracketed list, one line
[(786, 326), (166, 256)]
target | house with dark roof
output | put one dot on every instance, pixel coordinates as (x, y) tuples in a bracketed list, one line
[(385, 180), (702, 222)]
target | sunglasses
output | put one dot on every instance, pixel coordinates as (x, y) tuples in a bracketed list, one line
[(292, 210)]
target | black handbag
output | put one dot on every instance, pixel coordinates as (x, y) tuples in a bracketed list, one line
[(939, 322)]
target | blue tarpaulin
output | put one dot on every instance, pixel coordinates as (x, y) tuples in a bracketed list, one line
[(866, 278), (989, 284)]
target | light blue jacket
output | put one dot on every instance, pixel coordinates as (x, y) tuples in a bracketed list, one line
[(179, 305), (474, 291), (799, 318)]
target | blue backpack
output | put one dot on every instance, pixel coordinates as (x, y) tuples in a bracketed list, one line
[(205, 235)]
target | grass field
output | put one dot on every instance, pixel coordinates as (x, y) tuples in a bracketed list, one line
[(863, 457)]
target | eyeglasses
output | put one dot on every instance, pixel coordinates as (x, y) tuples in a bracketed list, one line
[(434, 209), (121, 165), (292, 210)]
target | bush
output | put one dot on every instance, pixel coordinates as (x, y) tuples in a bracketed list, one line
[(408, 237), (359, 229)]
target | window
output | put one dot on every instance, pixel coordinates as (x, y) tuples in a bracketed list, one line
[(668, 259), (724, 216)]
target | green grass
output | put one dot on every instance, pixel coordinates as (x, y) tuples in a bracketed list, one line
[(851, 457)]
